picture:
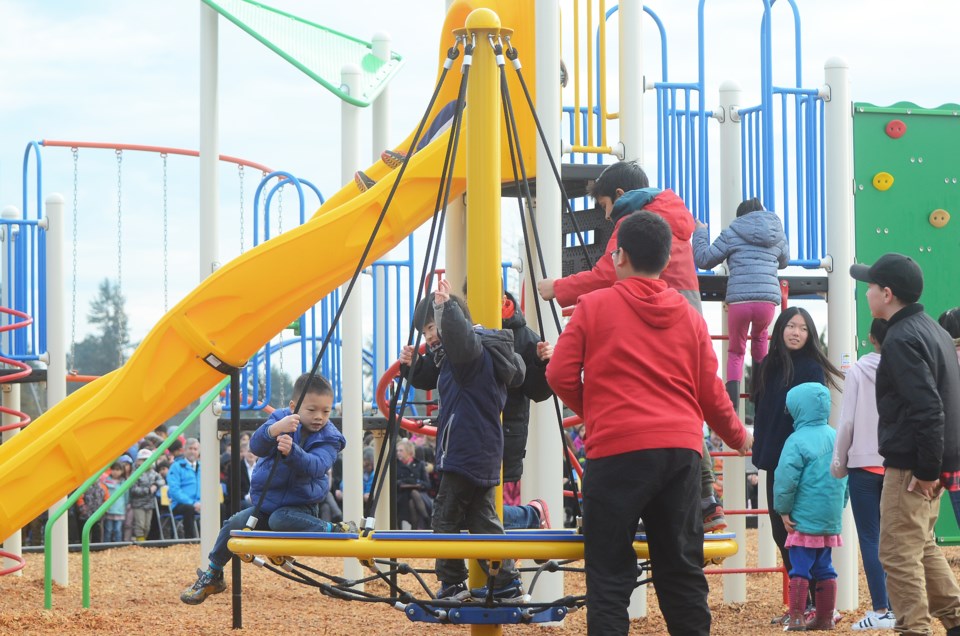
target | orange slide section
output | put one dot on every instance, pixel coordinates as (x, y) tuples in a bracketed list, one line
[(223, 318)]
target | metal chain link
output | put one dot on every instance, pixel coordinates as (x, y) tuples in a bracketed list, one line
[(73, 298), (119, 220), (166, 305), (119, 238), (240, 175)]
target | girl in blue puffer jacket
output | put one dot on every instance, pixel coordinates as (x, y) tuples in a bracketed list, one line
[(811, 504), (754, 247)]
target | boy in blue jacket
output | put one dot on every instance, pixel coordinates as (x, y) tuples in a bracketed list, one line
[(472, 368), (306, 445)]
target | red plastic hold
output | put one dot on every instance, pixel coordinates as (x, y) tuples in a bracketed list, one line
[(896, 129)]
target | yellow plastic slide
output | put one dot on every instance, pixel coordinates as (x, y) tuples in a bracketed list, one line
[(233, 313)]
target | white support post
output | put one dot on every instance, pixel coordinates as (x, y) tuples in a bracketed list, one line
[(734, 468), (351, 325), (455, 231), (631, 79), (544, 461), (766, 548), (56, 355), (841, 313), (11, 400), (11, 392), (631, 139), (455, 237), (381, 141), (209, 261)]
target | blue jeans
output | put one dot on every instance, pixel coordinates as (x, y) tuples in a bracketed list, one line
[(112, 530), (286, 519), (955, 501), (865, 488), (520, 518)]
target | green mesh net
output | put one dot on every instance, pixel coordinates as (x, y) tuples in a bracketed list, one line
[(316, 50)]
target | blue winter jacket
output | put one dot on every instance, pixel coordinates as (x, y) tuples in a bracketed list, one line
[(301, 477), (803, 486), (754, 247), (183, 483), (472, 372)]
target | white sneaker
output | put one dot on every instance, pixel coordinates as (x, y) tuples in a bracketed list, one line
[(873, 620)]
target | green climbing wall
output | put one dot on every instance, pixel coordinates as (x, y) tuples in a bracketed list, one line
[(906, 162)]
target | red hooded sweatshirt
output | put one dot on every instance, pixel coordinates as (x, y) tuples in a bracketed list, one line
[(680, 273), (637, 364)]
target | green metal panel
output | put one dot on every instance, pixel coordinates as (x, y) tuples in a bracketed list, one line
[(946, 531), (920, 149), (314, 49)]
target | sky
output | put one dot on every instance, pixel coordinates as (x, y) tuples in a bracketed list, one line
[(128, 72)]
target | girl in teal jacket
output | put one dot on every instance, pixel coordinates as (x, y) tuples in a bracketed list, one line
[(811, 503)]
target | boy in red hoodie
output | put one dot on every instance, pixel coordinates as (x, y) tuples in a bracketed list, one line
[(621, 189), (641, 339)]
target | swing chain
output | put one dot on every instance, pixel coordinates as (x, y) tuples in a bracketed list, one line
[(163, 155), (119, 219), (241, 175), (73, 300)]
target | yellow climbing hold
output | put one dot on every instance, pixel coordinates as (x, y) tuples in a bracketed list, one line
[(882, 181)]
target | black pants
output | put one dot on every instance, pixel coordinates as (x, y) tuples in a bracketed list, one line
[(662, 486), (777, 529), (189, 517), (779, 532), (462, 505)]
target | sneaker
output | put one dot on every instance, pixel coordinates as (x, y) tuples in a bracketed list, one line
[(453, 591), (542, 511), (209, 582), (392, 158), (363, 182), (873, 620), (713, 519), (347, 527), (512, 590)]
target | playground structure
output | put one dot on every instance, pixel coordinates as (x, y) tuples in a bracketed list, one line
[(682, 165)]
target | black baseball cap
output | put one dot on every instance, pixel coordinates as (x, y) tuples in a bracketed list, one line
[(898, 272)]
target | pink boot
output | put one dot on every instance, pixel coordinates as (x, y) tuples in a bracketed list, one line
[(825, 600), (798, 602)]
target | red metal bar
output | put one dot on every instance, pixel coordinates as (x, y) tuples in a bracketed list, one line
[(73, 377), (163, 150)]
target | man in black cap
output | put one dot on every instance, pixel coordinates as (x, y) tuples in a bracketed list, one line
[(918, 399)]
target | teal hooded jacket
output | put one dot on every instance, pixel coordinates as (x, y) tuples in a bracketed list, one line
[(803, 486)]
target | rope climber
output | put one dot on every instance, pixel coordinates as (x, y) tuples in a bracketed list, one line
[(501, 600)]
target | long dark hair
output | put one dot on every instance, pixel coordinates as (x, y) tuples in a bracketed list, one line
[(778, 356)]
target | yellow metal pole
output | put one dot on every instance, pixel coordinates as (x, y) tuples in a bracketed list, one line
[(484, 289)]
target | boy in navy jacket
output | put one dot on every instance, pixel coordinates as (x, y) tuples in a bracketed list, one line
[(472, 368), (306, 445)]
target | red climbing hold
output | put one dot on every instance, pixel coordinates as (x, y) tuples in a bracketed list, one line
[(896, 129)]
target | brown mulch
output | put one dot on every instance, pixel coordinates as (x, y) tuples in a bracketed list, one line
[(135, 590)]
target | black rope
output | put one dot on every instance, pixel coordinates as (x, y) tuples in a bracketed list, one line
[(452, 54), (344, 590), (513, 56), (433, 246), (516, 159)]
